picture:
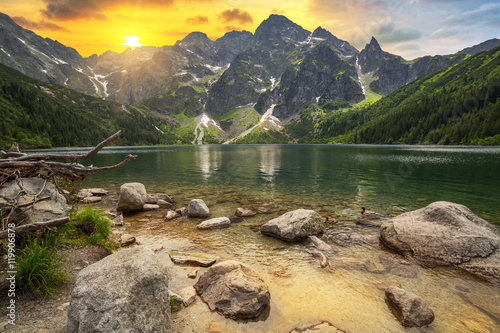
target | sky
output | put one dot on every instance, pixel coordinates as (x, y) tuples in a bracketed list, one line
[(410, 28)]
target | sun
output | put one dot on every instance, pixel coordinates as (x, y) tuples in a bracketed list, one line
[(132, 41)]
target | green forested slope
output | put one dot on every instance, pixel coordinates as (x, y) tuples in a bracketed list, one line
[(38, 114), (456, 105)]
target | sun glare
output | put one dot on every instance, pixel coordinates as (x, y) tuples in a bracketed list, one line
[(132, 41)]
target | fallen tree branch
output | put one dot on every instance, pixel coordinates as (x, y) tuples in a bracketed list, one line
[(44, 157), (28, 228), (15, 165)]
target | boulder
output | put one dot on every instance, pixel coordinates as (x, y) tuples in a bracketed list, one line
[(448, 234), (53, 208), (124, 292), (294, 226), (216, 223), (192, 258), (412, 310), (197, 208), (132, 197), (234, 290)]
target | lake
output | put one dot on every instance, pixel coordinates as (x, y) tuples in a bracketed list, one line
[(338, 178), (336, 181)]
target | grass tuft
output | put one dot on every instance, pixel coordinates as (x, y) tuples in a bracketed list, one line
[(91, 225), (39, 267)]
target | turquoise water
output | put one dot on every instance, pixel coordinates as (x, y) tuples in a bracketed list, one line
[(335, 181), (335, 178)]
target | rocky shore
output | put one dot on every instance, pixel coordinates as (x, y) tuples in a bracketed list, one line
[(159, 283)]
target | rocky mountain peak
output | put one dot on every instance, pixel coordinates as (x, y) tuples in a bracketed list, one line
[(344, 47), (194, 37), (373, 45), (277, 28)]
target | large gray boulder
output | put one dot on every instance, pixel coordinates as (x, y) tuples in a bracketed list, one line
[(294, 226), (234, 290), (124, 292), (132, 197), (198, 208), (412, 310), (53, 208), (448, 234)]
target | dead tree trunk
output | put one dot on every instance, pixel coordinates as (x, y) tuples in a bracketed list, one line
[(15, 165)]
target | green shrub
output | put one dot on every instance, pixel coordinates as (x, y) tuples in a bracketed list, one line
[(39, 267), (91, 223)]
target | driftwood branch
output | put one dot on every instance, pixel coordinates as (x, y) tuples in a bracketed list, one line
[(28, 228), (44, 157), (15, 165)]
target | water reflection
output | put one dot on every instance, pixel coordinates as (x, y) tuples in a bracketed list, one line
[(208, 161), (270, 163)]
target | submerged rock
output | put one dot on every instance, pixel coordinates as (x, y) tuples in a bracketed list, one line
[(215, 223), (446, 233), (323, 327), (234, 290), (197, 208), (124, 292), (192, 258), (171, 214), (412, 310), (294, 226), (320, 245), (132, 197), (245, 212)]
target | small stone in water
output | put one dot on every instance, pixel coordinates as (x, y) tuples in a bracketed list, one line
[(193, 273)]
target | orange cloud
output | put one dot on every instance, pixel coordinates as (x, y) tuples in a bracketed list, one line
[(42, 25), (278, 11), (197, 20), (235, 14), (91, 9)]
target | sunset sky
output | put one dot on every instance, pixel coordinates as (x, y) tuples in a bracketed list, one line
[(409, 28)]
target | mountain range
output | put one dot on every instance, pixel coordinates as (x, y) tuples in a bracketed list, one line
[(275, 85)]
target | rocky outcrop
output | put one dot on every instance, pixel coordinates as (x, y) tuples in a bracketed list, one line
[(446, 233), (197, 208), (132, 197), (124, 292), (294, 226), (234, 290), (53, 208), (412, 309), (216, 223)]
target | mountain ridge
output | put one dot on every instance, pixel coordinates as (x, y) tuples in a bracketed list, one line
[(215, 90)]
